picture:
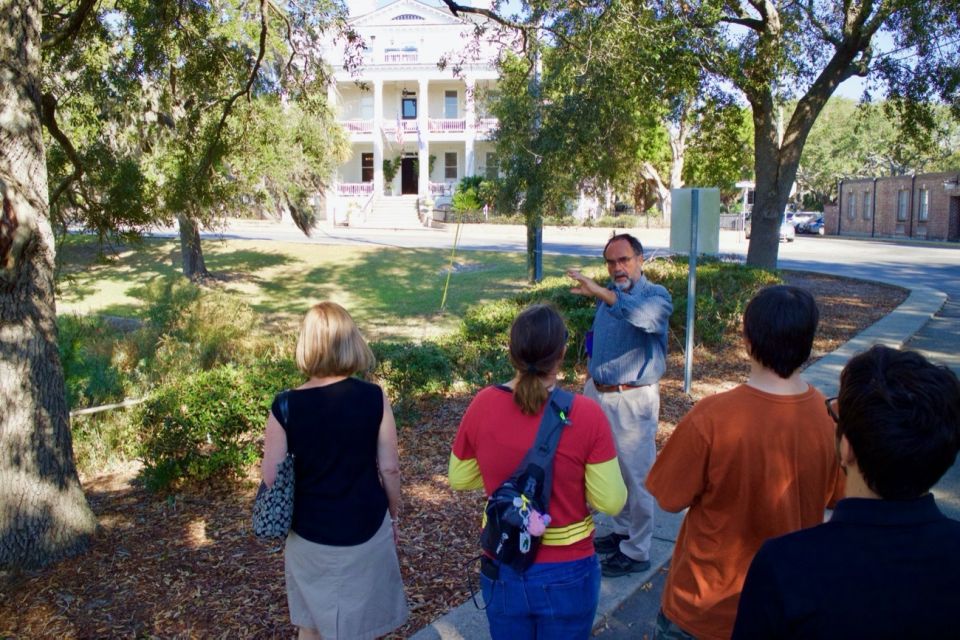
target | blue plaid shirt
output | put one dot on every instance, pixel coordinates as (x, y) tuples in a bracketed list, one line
[(630, 337)]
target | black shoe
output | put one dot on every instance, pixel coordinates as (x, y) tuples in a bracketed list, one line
[(608, 544), (620, 565)]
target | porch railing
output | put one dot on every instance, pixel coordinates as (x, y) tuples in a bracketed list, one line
[(354, 188), (447, 125), (358, 126), (487, 125), (441, 189), (400, 57)]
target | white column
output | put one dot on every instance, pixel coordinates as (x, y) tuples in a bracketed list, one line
[(470, 164), (423, 145), (378, 137)]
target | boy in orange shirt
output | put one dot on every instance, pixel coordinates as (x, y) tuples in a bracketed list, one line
[(751, 463)]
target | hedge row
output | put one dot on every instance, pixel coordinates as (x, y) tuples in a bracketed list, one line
[(210, 422)]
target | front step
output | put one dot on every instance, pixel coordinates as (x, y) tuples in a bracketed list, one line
[(392, 212)]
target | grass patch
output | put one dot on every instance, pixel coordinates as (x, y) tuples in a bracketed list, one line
[(391, 293)]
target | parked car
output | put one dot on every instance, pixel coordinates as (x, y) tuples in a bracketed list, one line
[(804, 217), (787, 231), (814, 227)]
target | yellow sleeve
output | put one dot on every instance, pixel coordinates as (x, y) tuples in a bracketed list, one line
[(605, 489), (464, 475)]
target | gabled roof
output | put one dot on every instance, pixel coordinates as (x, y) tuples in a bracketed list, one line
[(384, 16)]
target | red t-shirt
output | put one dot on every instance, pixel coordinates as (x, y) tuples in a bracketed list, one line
[(497, 434)]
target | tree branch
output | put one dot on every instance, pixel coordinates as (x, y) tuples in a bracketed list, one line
[(456, 9), (73, 25), (49, 120), (245, 91)]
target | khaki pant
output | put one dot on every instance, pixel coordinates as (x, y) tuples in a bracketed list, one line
[(633, 415)]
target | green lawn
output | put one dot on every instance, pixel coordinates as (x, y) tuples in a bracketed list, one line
[(390, 292)]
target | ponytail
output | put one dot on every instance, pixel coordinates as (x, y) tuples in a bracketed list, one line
[(537, 339)]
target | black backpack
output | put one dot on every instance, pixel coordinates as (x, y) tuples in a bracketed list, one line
[(505, 534)]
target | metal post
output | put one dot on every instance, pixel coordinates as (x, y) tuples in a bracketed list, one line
[(538, 232), (691, 288)]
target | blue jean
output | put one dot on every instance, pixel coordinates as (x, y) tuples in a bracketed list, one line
[(550, 601)]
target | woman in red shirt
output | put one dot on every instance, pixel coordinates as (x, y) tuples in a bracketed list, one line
[(556, 597)]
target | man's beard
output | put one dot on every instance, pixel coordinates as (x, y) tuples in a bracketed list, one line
[(624, 285)]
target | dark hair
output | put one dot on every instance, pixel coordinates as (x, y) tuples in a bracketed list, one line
[(634, 243), (901, 415), (779, 324), (537, 338)]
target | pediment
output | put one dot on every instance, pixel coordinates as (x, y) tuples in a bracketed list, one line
[(406, 13)]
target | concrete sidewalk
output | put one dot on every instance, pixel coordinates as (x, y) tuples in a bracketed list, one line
[(627, 597)]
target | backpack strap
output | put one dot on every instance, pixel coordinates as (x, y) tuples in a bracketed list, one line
[(556, 415)]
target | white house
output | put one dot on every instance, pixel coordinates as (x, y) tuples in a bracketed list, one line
[(399, 106)]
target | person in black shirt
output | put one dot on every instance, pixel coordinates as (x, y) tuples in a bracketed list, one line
[(340, 558)]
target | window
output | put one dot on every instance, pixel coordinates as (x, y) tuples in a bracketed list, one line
[(903, 202), (408, 108), (867, 205), (492, 171), (923, 212), (366, 167), (408, 17), (450, 165), (366, 107), (852, 206), (449, 104)]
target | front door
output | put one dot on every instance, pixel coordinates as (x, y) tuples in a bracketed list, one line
[(408, 176)]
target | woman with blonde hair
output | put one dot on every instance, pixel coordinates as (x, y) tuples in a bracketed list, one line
[(557, 596), (340, 558)]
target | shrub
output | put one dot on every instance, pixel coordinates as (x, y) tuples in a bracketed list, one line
[(409, 371), (617, 222), (208, 424), (86, 347), (193, 330), (103, 438)]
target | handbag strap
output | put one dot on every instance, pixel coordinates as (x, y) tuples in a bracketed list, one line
[(283, 404)]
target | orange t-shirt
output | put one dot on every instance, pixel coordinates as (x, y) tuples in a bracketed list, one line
[(750, 465)]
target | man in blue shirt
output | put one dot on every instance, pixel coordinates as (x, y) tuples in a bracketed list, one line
[(887, 564), (627, 360)]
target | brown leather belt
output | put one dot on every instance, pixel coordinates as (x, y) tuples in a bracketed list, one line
[(610, 388)]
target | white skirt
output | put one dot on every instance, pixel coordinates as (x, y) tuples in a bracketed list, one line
[(345, 593)]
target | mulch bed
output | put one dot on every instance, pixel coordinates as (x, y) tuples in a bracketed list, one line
[(187, 566)]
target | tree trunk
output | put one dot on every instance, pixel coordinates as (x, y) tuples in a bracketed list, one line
[(772, 187), (664, 199), (678, 153), (194, 266), (43, 513)]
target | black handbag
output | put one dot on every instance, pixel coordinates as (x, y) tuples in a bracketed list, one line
[(273, 506)]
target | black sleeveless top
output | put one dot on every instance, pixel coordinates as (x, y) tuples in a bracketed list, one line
[(332, 433)]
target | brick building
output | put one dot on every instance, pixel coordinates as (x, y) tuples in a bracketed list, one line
[(925, 206)]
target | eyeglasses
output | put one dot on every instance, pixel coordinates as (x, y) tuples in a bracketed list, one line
[(620, 262), (833, 413)]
